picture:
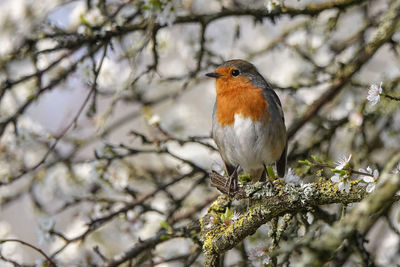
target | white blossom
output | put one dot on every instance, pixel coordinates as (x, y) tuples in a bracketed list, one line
[(368, 179), (374, 93), (343, 182), (292, 178), (370, 188), (335, 178), (344, 185), (236, 216), (259, 256), (342, 162), (154, 120)]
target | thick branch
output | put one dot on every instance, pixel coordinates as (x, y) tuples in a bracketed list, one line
[(359, 220), (282, 199)]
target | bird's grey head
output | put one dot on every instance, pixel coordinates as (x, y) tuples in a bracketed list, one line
[(235, 68)]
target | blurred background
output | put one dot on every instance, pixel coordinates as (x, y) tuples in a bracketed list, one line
[(105, 117)]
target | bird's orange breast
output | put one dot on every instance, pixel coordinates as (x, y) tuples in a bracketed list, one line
[(237, 95)]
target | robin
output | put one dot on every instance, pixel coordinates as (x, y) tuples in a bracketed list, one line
[(248, 122)]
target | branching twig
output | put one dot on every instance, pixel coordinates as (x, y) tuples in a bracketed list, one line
[(384, 33), (51, 262)]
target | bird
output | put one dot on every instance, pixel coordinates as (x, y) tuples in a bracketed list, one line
[(248, 124)]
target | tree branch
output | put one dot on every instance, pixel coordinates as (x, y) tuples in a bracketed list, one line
[(270, 203), (359, 220), (383, 34), (51, 263)]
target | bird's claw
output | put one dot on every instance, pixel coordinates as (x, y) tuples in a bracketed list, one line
[(232, 183)]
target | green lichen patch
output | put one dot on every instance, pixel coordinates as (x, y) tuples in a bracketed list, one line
[(245, 178), (259, 190)]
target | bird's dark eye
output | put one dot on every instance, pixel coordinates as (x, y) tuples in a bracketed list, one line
[(235, 72)]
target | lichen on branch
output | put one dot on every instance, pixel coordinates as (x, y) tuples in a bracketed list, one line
[(285, 198)]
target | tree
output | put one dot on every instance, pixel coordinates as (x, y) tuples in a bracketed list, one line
[(105, 118)]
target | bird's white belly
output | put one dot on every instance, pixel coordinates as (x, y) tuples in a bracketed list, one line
[(248, 144)]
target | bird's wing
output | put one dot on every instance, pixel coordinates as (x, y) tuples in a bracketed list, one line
[(282, 161)]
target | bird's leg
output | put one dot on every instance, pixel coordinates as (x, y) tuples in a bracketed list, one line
[(232, 181), (263, 176), (266, 176)]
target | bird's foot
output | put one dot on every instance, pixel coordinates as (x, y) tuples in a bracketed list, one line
[(268, 175), (232, 183)]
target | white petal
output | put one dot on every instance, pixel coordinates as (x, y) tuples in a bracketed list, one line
[(374, 100), (368, 179), (342, 161), (154, 120), (376, 173), (369, 170), (374, 94), (373, 88), (370, 188), (341, 186), (347, 187), (340, 166), (362, 184), (335, 179), (349, 158)]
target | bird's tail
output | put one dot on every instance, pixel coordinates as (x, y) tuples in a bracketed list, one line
[(281, 163)]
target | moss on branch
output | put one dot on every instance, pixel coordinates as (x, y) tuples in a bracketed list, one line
[(359, 220), (267, 204), (284, 199)]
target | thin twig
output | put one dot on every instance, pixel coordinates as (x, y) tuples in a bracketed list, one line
[(51, 262)]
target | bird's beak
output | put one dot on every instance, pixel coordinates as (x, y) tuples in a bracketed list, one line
[(213, 75)]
